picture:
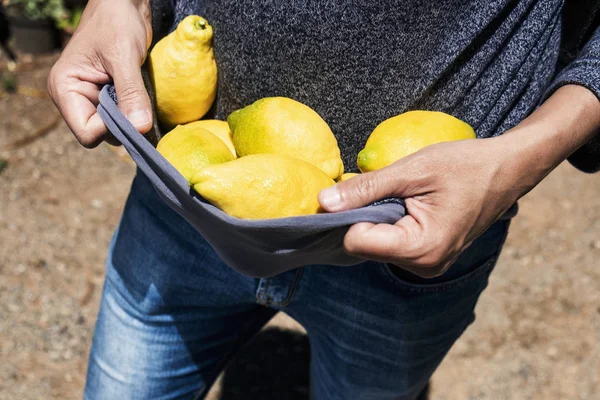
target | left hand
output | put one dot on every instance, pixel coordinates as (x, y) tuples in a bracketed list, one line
[(454, 191)]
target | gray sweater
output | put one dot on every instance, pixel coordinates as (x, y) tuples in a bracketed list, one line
[(357, 62)]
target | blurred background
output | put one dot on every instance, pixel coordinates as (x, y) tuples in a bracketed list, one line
[(537, 331)]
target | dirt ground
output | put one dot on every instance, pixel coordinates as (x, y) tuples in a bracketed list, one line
[(536, 335)]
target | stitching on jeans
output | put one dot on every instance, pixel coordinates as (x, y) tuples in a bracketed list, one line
[(288, 299), (445, 286)]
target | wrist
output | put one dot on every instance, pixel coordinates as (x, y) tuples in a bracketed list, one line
[(144, 8), (566, 121), (569, 119), (136, 13), (136, 3)]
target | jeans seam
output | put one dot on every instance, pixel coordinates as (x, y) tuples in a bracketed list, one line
[(292, 292)]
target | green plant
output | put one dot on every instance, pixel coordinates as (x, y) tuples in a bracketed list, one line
[(8, 82), (70, 20), (40, 9), (3, 165)]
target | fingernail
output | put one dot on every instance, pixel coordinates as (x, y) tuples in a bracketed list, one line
[(331, 197), (140, 118)]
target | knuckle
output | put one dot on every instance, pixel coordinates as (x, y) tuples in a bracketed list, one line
[(85, 62), (349, 245), (421, 166), (122, 53), (87, 140), (113, 54), (52, 81), (128, 93), (367, 187)]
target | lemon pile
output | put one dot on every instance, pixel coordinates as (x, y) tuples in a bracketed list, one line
[(271, 158), (287, 154)]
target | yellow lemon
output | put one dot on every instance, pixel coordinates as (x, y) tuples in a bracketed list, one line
[(262, 186), (183, 72), (347, 176), (190, 149), (407, 133), (219, 128), (284, 126)]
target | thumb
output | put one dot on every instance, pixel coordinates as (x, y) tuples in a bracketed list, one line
[(133, 98), (362, 190)]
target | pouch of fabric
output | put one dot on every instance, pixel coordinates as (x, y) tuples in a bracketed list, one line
[(258, 248)]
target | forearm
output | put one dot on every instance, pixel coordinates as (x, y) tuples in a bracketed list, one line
[(158, 15), (566, 121), (100, 7), (583, 71)]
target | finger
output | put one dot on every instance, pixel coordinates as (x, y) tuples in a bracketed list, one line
[(390, 244), (133, 99), (364, 189), (80, 115), (396, 243), (90, 90)]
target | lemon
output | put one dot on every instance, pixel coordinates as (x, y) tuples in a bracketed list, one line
[(190, 148), (183, 72), (284, 126), (219, 128), (262, 186), (346, 176), (407, 133)]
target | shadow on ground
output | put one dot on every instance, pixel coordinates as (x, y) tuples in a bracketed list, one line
[(274, 365)]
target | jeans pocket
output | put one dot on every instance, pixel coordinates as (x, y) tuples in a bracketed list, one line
[(479, 259), (436, 286)]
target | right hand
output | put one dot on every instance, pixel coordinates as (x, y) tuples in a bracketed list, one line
[(109, 45)]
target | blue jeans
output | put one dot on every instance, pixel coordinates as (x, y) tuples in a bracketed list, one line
[(172, 314)]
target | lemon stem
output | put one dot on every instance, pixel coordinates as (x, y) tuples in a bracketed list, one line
[(200, 24)]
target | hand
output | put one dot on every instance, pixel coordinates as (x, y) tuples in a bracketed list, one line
[(454, 191), (110, 44)]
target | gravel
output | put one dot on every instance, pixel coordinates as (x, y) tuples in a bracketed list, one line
[(538, 324)]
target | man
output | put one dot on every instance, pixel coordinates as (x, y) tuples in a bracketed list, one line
[(172, 313)]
